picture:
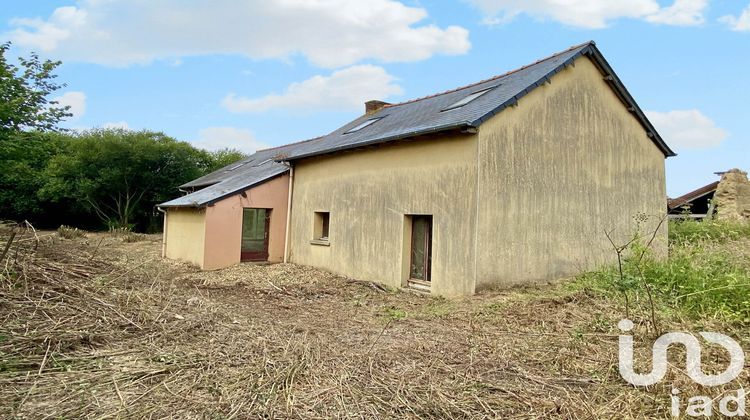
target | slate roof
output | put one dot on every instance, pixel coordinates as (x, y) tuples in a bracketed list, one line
[(230, 179), (408, 119), (428, 115)]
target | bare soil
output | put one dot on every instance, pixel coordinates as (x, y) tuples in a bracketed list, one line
[(97, 327)]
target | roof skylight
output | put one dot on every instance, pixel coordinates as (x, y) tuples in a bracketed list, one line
[(264, 162), (235, 166), (363, 125), (465, 100)]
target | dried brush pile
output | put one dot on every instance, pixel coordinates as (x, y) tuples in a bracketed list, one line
[(71, 326), (97, 327)]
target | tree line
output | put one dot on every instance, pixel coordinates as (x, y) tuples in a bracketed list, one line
[(93, 179)]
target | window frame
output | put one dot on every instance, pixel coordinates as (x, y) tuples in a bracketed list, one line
[(321, 228), (363, 125), (468, 99)]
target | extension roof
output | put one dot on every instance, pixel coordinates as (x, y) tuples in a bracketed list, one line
[(430, 114), (231, 179)]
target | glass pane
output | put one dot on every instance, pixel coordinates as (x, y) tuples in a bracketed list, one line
[(418, 249), (253, 230)]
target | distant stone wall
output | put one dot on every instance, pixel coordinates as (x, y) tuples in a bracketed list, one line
[(732, 197)]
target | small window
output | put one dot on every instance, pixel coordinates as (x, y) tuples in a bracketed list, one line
[(468, 99), (320, 233), (362, 125)]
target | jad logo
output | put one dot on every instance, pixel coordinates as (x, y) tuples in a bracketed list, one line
[(698, 406)]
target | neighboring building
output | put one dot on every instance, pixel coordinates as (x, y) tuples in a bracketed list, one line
[(696, 204), (507, 181), (727, 199)]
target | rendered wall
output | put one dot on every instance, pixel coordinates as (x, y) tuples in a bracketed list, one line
[(557, 170), (368, 193), (185, 235), (224, 223)]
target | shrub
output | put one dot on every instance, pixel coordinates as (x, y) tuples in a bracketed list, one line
[(67, 232), (707, 273), (125, 234)]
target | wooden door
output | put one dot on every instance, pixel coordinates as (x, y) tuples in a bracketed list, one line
[(255, 234), (421, 248)]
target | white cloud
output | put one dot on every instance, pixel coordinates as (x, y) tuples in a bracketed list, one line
[(216, 138), (681, 13), (344, 89), (593, 14), (116, 124), (75, 100), (329, 33), (687, 129), (738, 23)]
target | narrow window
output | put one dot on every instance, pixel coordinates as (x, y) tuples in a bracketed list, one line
[(467, 99), (321, 226)]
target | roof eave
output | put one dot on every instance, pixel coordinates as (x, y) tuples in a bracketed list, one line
[(610, 76), (223, 196), (380, 140), (625, 96)]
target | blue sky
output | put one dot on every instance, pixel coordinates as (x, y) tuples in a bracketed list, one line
[(249, 74)]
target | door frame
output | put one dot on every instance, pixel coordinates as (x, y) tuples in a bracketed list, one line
[(246, 256), (428, 251)]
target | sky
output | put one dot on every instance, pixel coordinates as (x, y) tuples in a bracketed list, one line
[(249, 74)]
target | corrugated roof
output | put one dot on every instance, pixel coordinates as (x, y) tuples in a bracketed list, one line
[(416, 117), (692, 195), (429, 114)]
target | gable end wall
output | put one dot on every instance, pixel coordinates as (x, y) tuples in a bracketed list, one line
[(555, 172)]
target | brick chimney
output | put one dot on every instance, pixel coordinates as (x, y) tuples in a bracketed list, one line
[(372, 107)]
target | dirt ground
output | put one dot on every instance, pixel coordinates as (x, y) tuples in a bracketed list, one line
[(97, 327)]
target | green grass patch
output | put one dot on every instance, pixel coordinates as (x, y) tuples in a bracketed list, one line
[(707, 274), (394, 313), (691, 231)]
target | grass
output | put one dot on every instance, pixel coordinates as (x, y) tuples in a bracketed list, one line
[(67, 232), (707, 273), (691, 231)]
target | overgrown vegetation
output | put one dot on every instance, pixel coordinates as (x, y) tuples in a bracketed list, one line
[(67, 232), (707, 273), (92, 179)]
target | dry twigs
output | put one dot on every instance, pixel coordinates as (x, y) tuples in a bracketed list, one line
[(128, 335)]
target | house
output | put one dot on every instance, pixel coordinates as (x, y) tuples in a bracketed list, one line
[(237, 213), (507, 181)]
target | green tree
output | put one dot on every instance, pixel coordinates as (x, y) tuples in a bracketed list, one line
[(23, 159), (224, 157), (119, 175), (24, 95)]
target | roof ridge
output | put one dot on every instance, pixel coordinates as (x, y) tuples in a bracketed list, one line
[(587, 43)]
